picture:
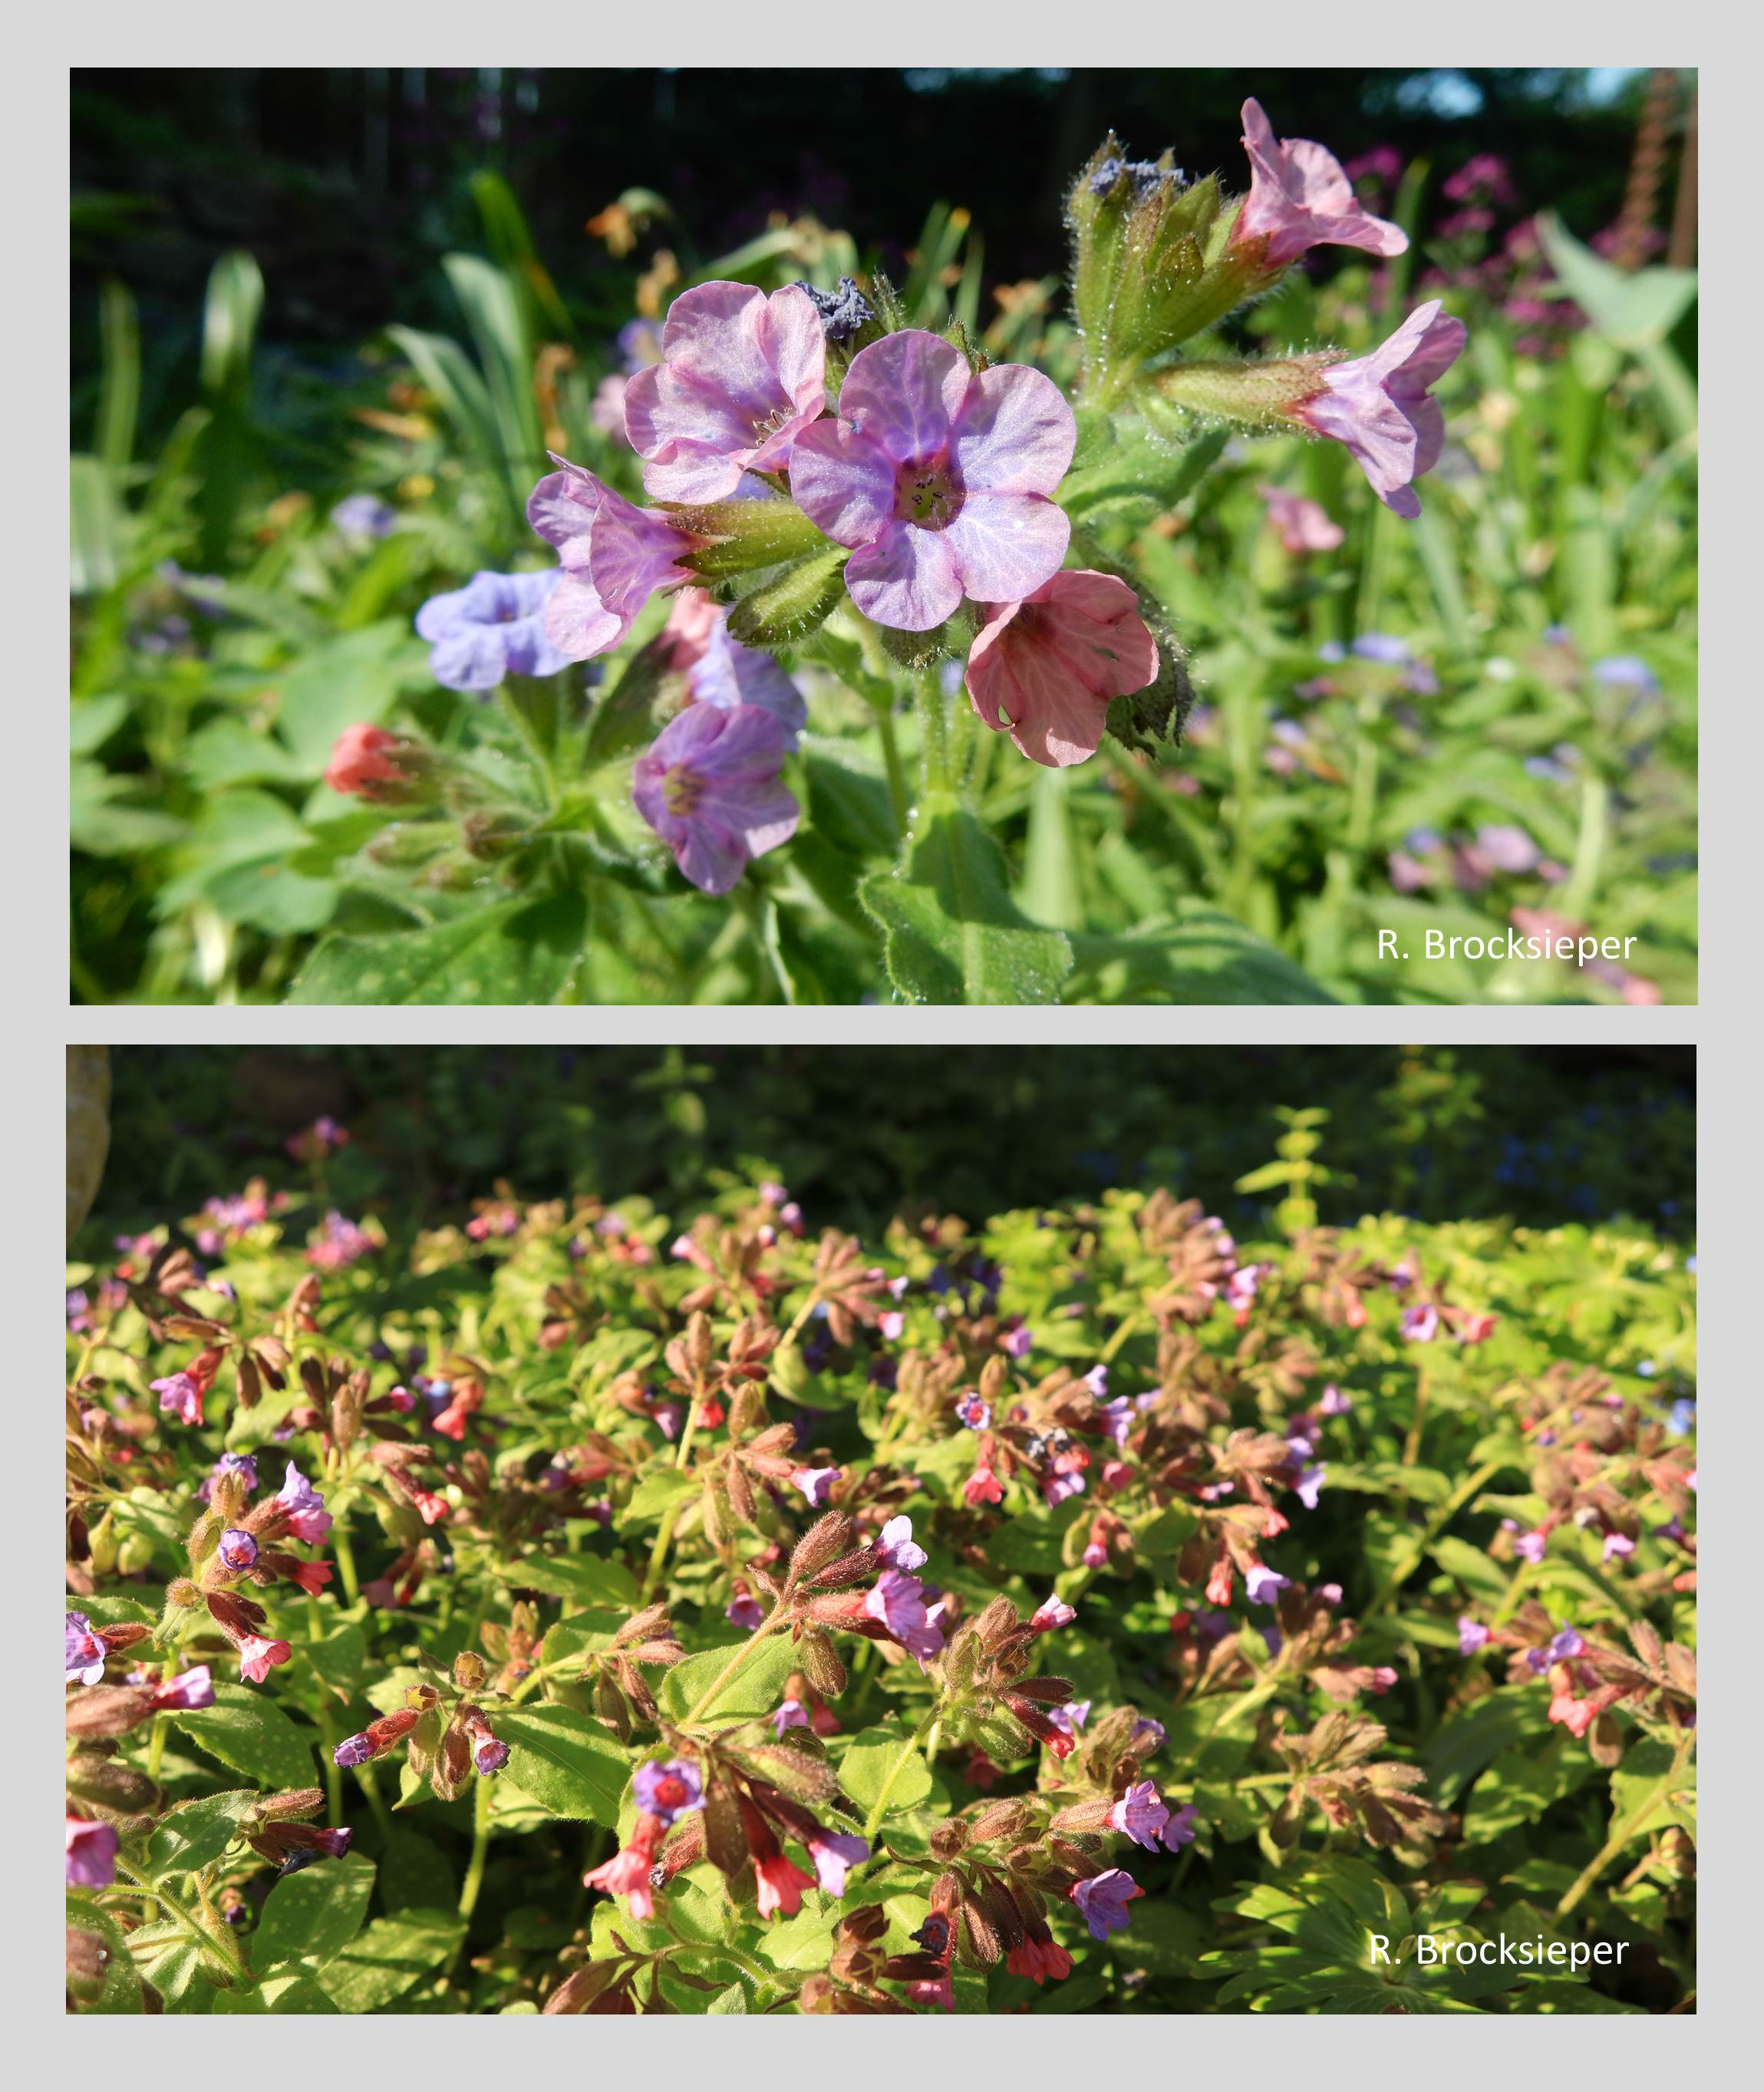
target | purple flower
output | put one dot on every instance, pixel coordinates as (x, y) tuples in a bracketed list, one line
[(364, 516), (898, 1602), (352, 1751), (974, 1410), (489, 1754), (1071, 1718), (308, 1518), (817, 1484), (1335, 1402), (1057, 1488), (741, 375), (91, 1854), (1180, 1830), (719, 671), (1308, 1485), (745, 1611), (792, 1714), (86, 1651), (614, 555), (1142, 1814), (668, 1788), (1472, 1635), (1146, 1736), (1264, 1585), (493, 627), (1625, 672), (833, 1852), (1016, 1342), (1557, 1649), (897, 1546), (180, 1397), (238, 1550), (938, 479), (190, 1690), (1103, 1901), (1380, 407), (1119, 1413), (1617, 1546), (1421, 1324), (710, 788), (1530, 1546), (244, 1464)]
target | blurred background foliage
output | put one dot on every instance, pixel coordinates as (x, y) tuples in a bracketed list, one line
[(325, 325), (1542, 1134)]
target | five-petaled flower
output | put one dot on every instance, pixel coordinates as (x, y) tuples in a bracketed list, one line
[(940, 479), (741, 375), (1103, 1901), (710, 787), (1380, 407), (491, 628), (1043, 669), (1299, 198)]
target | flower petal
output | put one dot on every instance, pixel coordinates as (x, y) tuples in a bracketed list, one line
[(1004, 546), (1015, 433), (842, 482), (906, 578), (904, 391)]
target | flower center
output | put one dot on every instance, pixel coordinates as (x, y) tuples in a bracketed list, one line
[(928, 494), (681, 790), (770, 424), (671, 1791)]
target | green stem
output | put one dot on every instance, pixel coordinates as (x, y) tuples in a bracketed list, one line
[(370, 1787), (1405, 1568), (483, 1798), (1624, 1831), (928, 1733), (664, 1536), (890, 762), (351, 1588), (934, 725), (226, 1947)]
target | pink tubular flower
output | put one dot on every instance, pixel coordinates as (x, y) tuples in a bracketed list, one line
[(816, 1483), (1300, 198), (365, 761), (615, 555), (780, 1883), (983, 1486), (1304, 525), (938, 479), (307, 1518), (1038, 1960), (1045, 668), (741, 376), (709, 786), (91, 1854), (1380, 407), (627, 1873), (1053, 1612), (259, 1656)]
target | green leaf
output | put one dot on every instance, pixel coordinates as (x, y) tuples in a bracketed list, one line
[(196, 1833), (313, 1915), (756, 1687), (281, 1990), (1194, 954), (512, 952), (589, 1579), (952, 932), (246, 1730), (352, 678), (869, 1759), (394, 1953), (563, 1760), (656, 1493)]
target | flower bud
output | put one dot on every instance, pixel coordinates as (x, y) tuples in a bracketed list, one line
[(798, 601)]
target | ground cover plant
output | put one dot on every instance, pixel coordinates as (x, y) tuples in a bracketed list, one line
[(817, 635), (570, 1607)]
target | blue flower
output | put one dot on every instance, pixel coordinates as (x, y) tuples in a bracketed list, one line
[(493, 627)]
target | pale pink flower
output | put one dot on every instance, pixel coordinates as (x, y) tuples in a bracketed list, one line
[(1300, 198), (1045, 667), (1304, 525), (741, 375), (1379, 405), (939, 478)]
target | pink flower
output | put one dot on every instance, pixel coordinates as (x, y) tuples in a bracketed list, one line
[(1052, 1613), (1380, 407), (91, 1854), (365, 759), (983, 1486), (1420, 1323), (615, 555), (1304, 525), (816, 1483), (1576, 1715), (307, 1518), (780, 1884), (939, 478), (1300, 198), (741, 376), (257, 1657), (179, 1396), (833, 1852), (626, 1873), (1045, 667), (709, 785), (898, 1602)]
